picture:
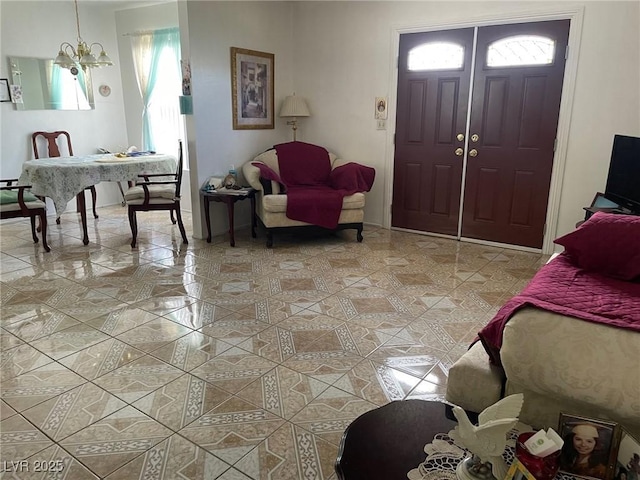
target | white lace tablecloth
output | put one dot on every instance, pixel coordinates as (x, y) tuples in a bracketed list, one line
[(62, 178), (444, 454)]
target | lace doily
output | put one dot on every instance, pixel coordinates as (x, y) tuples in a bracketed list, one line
[(444, 454)]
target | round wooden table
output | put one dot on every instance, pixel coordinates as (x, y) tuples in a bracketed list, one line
[(387, 442)]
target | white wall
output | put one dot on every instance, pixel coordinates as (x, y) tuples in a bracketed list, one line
[(213, 28), (36, 29), (343, 59)]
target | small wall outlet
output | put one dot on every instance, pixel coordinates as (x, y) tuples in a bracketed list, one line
[(381, 124)]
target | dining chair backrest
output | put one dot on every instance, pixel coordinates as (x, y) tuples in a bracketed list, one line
[(53, 147), (179, 169)]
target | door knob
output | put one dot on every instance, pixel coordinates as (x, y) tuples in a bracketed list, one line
[(473, 152), (459, 152), (460, 137), (475, 137)]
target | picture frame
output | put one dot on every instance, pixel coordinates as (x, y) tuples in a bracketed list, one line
[(5, 93), (252, 89), (627, 465), (590, 446), (517, 471), (381, 108), (16, 93)]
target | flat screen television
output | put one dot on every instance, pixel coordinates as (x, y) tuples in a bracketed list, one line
[(623, 182)]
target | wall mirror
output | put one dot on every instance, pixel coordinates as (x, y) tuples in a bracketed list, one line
[(46, 86)]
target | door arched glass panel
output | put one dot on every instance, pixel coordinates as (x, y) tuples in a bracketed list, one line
[(521, 50), (435, 56)]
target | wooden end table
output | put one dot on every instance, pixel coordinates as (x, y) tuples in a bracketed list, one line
[(229, 199), (389, 441)]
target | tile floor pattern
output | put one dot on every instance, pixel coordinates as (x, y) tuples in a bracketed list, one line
[(206, 361)]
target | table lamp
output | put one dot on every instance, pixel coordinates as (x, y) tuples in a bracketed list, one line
[(294, 107)]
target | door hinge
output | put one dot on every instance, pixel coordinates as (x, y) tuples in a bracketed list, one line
[(555, 143), (566, 52), (394, 138), (544, 230)]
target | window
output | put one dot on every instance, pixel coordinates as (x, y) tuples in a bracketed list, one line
[(164, 110), (155, 57), (435, 56), (521, 50)]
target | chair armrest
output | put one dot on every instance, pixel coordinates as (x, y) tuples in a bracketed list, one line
[(147, 176), (21, 189), (164, 182), (252, 175), (267, 186), (9, 181)]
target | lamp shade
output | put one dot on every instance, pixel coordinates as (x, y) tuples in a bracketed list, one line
[(294, 107)]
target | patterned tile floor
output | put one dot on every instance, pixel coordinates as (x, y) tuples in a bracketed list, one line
[(211, 362)]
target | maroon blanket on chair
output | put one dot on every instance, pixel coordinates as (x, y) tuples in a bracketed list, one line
[(563, 288), (314, 191)]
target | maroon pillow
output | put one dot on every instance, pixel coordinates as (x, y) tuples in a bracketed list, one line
[(607, 243)]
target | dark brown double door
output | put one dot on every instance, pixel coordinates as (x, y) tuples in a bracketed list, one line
[(502, 172)]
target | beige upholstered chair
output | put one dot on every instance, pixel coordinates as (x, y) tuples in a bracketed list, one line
[(151, 195), (271, 200), (17, 202)]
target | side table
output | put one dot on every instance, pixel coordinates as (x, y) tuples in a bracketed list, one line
[(230, 200), (389, 441)]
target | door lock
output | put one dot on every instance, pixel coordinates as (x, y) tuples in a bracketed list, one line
[(475, 137), (459, 152), (473, 152), (460, 137)]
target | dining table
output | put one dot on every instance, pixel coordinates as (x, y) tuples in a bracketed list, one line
[(63, 178)]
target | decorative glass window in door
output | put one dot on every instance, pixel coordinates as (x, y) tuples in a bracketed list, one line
[(435, 56), (521, 50)]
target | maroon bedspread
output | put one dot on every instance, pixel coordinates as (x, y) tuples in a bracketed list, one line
[(563, 288), (314, 191)]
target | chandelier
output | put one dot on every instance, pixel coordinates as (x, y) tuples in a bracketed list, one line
[(69, 57)]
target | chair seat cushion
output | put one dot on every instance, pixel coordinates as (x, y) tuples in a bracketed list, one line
[(14, 207), (165, 192), (278, 203), (10, 196)]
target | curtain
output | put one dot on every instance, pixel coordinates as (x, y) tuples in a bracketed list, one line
[(54, 76), (147, 51)]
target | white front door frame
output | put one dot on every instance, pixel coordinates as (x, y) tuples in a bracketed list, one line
[(575, 14)]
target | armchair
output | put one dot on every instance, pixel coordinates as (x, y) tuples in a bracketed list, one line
[(303, 185)]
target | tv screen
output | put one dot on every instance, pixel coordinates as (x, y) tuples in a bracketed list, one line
[(623, 182)]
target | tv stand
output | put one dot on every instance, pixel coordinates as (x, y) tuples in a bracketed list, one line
[(591, 210)]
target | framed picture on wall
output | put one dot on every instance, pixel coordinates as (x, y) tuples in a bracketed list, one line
[(5, 95), (252, 89)]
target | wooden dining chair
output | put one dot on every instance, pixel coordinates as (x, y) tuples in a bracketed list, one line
[(16, 201), (53, 150), (148, 195)]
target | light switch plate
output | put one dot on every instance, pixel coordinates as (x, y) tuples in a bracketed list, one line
[(381, 124)]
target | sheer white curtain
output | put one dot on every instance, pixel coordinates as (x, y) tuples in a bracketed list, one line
[(155, 58)]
